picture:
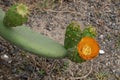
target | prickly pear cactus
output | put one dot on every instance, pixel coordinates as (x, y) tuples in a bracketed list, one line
[(16, 15), (72, 35)]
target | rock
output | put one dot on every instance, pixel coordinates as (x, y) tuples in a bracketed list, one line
[(5, 57), (101, 52), (101, 36)]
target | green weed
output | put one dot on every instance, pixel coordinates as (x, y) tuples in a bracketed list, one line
[(41, 72), (101, 76), (46, 4)]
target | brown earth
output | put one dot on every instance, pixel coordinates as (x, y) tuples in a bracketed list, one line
[(51, 19)]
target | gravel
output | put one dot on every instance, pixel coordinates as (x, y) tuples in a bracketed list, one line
[(104, 15)]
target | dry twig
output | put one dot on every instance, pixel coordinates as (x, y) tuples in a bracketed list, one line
[(82, 77), (72, 12)]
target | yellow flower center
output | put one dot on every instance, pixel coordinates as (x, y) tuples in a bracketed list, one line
[(86, 50), (22, 10)]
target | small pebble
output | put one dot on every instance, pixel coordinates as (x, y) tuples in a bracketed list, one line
[(101, 52), (101, 36), (5, 57)]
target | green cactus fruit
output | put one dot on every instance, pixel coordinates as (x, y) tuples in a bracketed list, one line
[(89, 31), (16, 15), (31, 41), (72, 35), (72, 54)]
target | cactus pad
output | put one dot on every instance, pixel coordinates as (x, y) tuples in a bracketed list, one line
[(89, 31), (16, 15), (72, 35)]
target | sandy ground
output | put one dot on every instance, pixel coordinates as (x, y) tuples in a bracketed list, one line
[(51, 21)]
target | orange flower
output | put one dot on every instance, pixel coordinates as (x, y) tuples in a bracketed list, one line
[(88, 48)]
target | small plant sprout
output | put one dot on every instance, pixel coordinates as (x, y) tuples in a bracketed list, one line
[(65, 65), (101, 75), (41, 72)]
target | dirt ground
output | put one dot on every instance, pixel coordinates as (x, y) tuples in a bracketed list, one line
[(50, 19)]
